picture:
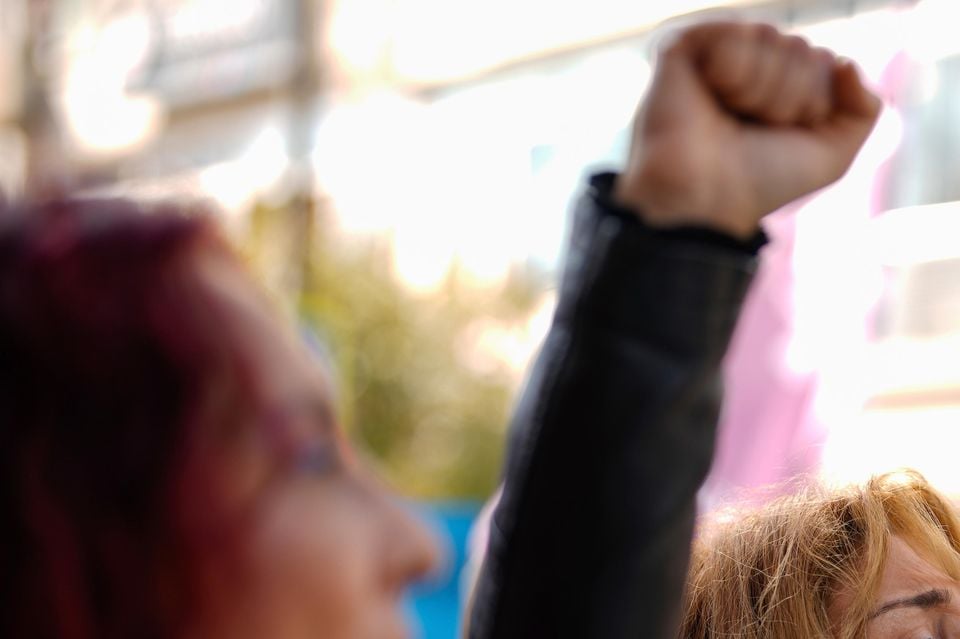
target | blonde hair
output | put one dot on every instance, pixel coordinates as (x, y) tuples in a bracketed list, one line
[(807, 566)]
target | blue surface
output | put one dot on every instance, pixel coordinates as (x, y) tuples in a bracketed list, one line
[(435, 606)]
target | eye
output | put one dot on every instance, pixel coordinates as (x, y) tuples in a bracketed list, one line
[(319, 458)]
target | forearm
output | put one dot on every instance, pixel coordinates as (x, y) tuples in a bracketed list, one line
[(613, 436)]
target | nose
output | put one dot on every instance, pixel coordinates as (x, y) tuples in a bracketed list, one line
[(413, 551)]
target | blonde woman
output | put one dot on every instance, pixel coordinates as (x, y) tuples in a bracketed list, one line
[(878, 561)]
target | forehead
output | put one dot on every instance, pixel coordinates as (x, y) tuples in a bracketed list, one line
[(281, 372), (916, 597), (905, 571)]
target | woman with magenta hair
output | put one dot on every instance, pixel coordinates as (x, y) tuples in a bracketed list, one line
[(173, 467)]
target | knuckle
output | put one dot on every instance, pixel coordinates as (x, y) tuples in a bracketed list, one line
[(669, 50), (793, 56), (823, 55), (796, 43), (673, 44), (762, 31)]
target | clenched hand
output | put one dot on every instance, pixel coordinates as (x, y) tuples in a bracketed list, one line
[(739, 121)]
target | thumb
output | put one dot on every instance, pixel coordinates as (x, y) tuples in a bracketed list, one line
[(851, 97)]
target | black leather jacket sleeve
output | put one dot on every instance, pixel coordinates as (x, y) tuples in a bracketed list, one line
[(614, 433)]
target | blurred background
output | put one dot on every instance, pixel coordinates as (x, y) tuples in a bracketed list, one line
[(399, 173)]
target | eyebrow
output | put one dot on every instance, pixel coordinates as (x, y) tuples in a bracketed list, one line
[(924, 600)]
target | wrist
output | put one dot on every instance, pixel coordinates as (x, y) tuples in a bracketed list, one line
[(601, 190), (666, 209)]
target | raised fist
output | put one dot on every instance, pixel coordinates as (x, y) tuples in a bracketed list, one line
[(739, 121)]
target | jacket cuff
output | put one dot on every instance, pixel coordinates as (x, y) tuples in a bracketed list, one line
[(617, 267), (600, 189)]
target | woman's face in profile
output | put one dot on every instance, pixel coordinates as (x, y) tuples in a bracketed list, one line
[(916, 599), (326, 552)]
